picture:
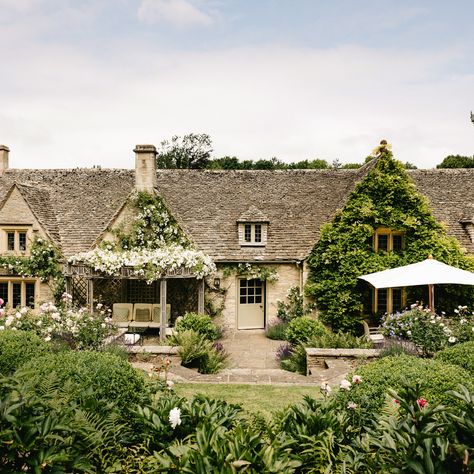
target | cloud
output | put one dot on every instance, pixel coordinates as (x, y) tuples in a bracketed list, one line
[(180, 13)]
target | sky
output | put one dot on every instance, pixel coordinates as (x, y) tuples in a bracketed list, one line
[(83, 81)]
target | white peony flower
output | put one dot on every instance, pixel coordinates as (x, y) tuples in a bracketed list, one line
[(452, 340), (325, 387), (345, 385), (352, 405), (175, 417), (356, 379), (170, 384)]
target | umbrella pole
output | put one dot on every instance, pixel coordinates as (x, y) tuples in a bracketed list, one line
[(431, 297)]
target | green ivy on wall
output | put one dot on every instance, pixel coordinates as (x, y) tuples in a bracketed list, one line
[(153, 227), (44, 262), (386, 197)]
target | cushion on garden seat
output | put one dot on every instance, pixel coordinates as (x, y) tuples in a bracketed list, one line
[(157, 312), (122, 312), (142, 312)]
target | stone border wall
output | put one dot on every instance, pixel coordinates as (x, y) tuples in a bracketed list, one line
[(316, 357)]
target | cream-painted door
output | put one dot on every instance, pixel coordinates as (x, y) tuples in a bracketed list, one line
[(251, 308)]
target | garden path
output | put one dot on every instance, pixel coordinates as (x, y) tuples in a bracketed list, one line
[(252, 360)]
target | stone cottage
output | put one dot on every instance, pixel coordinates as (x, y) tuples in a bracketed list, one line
[(257, 226)]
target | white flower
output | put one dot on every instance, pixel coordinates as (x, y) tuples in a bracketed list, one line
[(23, 310), (345, 385), (99, 305), (2, 328), (325, 387), (356, 379), (18, 315), (175, 417), (103, 325), (456, 311), (352, 405), (462, 321), (47, 338), (452, 339), (409, 333), (14, 329), (170, 384)]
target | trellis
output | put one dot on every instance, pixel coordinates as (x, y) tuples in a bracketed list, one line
[(86, 284)]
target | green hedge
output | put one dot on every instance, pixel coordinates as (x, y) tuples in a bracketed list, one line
[(89, 376), (200, 323), (395, 372), (300, 330), (18, 348), (460, 354)]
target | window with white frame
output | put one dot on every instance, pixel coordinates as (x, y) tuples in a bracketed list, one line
[(252, 234), (18, 292)]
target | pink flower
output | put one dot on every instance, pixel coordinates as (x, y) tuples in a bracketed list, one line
[(345, 385), (397, 402), (421, 402), (356, 379)]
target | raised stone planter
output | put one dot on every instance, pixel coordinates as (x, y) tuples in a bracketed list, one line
[(317, 359)]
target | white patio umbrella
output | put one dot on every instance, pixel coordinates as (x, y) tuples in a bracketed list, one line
[(428, 272)]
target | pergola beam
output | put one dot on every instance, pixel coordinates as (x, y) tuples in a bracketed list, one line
[(163, 322)]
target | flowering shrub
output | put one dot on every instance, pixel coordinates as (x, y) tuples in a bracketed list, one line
[(150, 264), (252, 272), (429, 331), (79, 328), (460, 354), (43, 262)]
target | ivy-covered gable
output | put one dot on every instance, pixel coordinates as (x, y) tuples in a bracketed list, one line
[(386, 197), (152, 227)]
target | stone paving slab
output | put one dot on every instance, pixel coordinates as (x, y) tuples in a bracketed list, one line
[(252, 360)]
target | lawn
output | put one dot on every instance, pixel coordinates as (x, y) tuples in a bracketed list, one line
[(265, 399)]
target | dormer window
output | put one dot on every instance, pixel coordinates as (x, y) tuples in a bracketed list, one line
[(253, 233), (252, 228)]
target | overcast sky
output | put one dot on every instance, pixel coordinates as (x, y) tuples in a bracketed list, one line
[(83, 81)]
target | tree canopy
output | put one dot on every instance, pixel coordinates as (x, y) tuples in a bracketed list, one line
[(457, 161), (386, 197)]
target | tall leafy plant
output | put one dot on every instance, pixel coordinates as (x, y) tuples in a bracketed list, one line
[(386, 197)]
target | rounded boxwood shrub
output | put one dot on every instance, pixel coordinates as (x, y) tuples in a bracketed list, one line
[(300, 330), (395, 372), (18, 348), (200, 323), (89, 376), (460, 354)]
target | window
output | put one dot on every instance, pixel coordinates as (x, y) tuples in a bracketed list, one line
[(387, 240), (253, 234), (16, 240), (18, 292), (388, 300), (251, 292)]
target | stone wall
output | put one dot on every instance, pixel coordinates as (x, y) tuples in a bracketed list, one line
[(288, 275)]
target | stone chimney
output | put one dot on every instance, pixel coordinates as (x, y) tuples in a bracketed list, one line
[(4, 151), (145, 168)]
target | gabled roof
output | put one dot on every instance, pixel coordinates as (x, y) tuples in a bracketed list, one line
[(83, 201), (76, 206), (40, 204), (451, 195), (253, 214)]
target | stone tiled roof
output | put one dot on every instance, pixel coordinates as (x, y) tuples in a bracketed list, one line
[(75, 206), (295, 202), (40, 203), (252, 214), (451, 195), (82, 200)]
